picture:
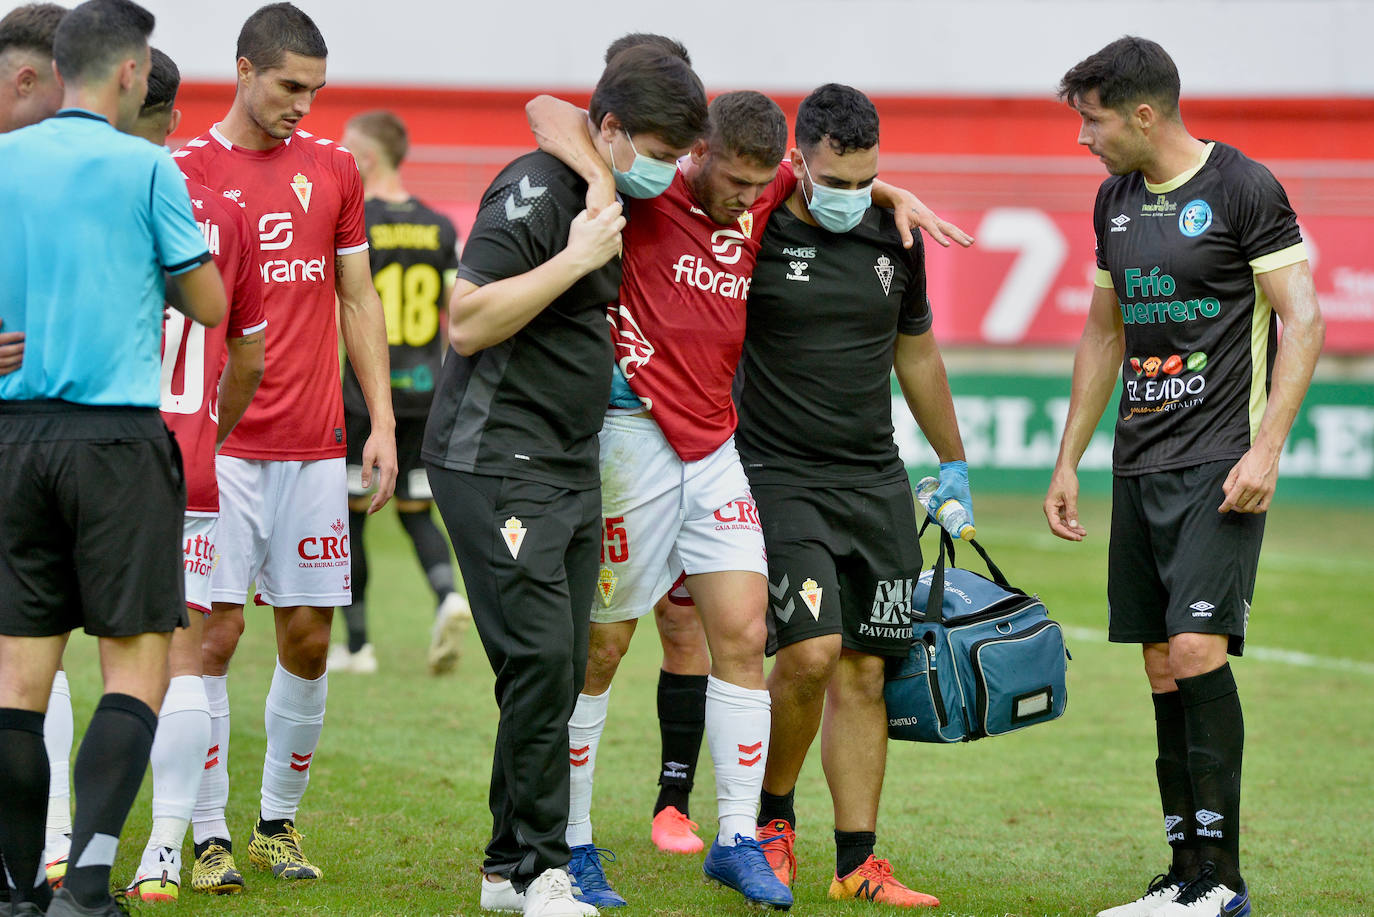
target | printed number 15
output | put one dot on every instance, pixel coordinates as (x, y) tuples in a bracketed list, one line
[(617, 540)]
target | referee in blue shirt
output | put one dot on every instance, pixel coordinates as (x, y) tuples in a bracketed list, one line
[(91, 491)]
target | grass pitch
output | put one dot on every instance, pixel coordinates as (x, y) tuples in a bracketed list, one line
[(1060, 819)]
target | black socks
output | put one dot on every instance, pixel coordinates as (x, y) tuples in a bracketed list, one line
[(109, 769), (355, 615), (1216, 742), (1175, 786), (681, 723), (431, 550), (772, 808), (852, 848), (24, 774)]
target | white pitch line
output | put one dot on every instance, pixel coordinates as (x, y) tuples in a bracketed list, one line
[(1263, 653)]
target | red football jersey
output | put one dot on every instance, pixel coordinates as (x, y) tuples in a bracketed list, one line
[(304, 201), (193, 355), (679, 325)]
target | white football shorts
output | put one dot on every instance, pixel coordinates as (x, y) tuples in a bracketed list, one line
[(199, 557), (664, 517), (283, 525)]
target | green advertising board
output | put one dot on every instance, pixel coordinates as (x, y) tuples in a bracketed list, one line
[(1011, 425)]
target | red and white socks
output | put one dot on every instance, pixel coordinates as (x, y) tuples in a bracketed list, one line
[(737, 724)]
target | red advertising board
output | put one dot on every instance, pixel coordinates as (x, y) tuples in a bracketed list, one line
[(1006, 169), (1029, 278)]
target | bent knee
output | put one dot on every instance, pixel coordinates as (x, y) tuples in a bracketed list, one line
[(809, 665)]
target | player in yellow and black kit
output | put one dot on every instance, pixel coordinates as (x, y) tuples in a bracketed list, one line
[(414, 253), (1198, 251)]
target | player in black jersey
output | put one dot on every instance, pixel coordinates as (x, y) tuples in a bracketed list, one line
[(836, 304), (1197, 251), (511, 447), (414, 255)]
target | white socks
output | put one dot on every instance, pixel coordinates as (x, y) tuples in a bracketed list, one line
[(737, 724), (57, 737), (584, 735), (294, 718), (208, 819), (178, 759)]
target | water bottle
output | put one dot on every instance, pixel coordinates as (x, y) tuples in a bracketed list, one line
[(950, 514)]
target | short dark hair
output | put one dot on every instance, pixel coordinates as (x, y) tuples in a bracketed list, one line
[(840, 114), (1125, 73), (386, 130), (662, 42), (275, 29), (164, 79), (749, 125), (652, 92), (97, 35), (31, 27)]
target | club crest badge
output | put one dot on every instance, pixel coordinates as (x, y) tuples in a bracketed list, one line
[(810, 593), (514, 533), (746, 224), (605, 586), (302, 186), (885, 272)]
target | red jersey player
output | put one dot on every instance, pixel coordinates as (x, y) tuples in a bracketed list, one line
[(200, 407), (282, 478)]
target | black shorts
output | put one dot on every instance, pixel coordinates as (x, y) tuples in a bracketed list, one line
[(840, 561), (92, 502), (1176, 565), (411, 481)]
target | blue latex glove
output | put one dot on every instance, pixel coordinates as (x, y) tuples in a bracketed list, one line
[(954, 486)]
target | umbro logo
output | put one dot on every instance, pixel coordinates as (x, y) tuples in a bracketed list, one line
[(1202, 606), (1171, 822), (1206, 817), (1119, 223)]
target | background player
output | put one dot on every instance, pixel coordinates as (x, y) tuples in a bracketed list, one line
[(512, 450), (283, 486), (88, 461), (837, 302), (1198, 434), (200, 406), (414, 256), (29, 92)]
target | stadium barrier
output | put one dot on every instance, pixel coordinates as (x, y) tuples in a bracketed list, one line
[(1011, 424)]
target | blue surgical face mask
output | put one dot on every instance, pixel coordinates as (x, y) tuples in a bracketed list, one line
[(646, 177), (837, 209)]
